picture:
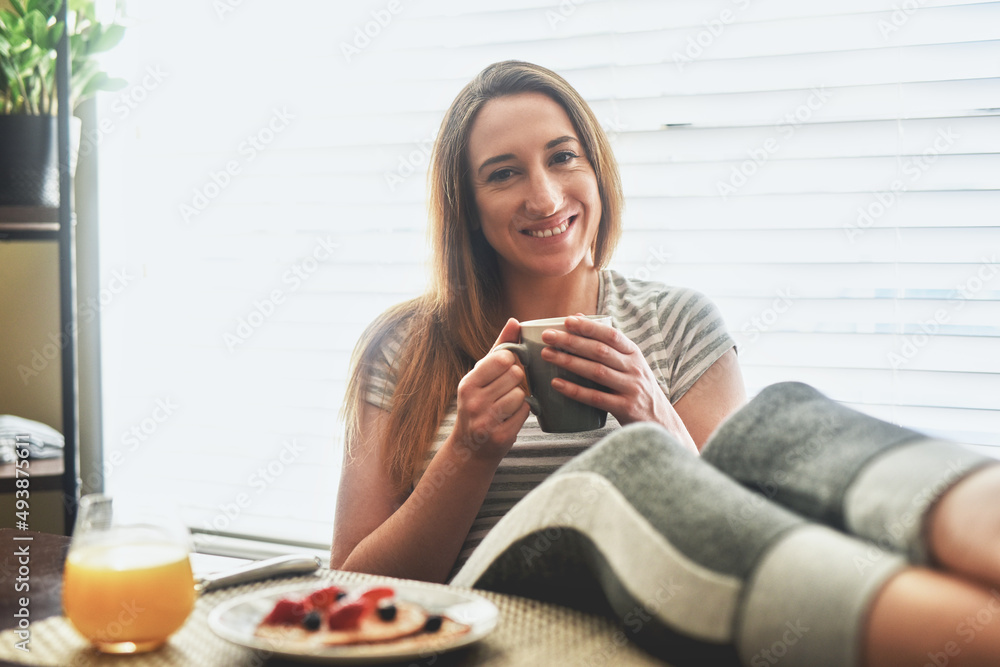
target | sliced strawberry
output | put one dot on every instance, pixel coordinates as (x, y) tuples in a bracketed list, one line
[(286, 612), (324, 597), (371, 597), (346, 616)]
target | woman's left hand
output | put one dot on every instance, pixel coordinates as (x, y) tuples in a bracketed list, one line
[(605, 355)]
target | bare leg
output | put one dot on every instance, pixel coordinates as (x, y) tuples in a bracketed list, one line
[(924, 617), (963, 529)]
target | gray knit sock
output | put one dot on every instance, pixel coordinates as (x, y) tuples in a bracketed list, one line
[(697, 568), (838, 466)]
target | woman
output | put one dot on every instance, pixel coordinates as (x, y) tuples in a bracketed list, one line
[(525, 213)]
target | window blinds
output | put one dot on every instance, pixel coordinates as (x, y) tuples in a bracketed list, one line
[(828, 173)]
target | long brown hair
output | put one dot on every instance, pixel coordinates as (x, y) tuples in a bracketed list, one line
[(456, 321)]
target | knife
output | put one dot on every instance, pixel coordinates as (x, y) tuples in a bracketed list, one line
[(260, 569)]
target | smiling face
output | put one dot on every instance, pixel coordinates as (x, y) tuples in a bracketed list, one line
[(534, 188)]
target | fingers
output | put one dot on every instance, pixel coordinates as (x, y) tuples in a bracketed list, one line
[(587, 339), (511, 332)]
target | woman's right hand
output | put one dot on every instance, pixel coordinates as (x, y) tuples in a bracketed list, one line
[(491, 405)]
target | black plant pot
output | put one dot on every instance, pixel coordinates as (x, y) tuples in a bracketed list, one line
[(29, 160)]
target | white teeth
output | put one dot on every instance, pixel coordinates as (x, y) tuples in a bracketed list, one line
[(545, 233)]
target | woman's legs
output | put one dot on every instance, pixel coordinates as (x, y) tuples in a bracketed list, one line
[(698, 568), (923, 617), (963, 529), (861, 475)]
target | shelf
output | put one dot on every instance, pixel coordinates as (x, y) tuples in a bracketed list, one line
[(43, 475), (28, 223)]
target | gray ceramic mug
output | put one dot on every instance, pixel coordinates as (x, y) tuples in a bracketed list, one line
[(556, 412)]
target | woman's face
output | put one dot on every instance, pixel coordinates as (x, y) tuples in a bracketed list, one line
[(535, 190)]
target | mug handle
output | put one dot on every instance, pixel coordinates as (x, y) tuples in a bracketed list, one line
[(521, 350)]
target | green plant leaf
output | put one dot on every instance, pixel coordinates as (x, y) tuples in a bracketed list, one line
[(111, 37), (36, 27), (18, 7), (93, 85), (113, 83), (55, 34)]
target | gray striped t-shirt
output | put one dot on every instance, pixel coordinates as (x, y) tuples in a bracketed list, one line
[(680, 332)]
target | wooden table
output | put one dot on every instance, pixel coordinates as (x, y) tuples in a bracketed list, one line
[(528, 633)]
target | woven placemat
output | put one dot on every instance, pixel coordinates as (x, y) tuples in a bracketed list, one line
[(528, 633)]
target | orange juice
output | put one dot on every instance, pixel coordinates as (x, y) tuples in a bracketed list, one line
[(128, 597)]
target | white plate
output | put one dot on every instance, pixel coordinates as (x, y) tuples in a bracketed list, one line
[(236, 620)]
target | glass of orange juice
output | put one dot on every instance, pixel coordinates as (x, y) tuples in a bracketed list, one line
[(126, 587)]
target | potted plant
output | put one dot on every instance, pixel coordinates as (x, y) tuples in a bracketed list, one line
[(29, 35)]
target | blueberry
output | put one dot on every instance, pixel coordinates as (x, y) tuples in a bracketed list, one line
[(387, 612), (311, 621), (433, 623), (341, 595)]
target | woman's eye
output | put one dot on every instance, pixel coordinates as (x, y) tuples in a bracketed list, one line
[(564, 156), (500, 175)]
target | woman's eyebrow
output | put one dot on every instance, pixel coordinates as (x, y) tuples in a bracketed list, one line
[(561, 140), (510, 156)]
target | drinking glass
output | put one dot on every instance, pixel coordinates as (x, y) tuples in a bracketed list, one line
[(127, 586)]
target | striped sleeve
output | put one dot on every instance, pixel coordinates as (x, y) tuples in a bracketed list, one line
[(382, 382), (680, 331)]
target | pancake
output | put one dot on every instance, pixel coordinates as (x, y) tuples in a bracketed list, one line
[(409, 625)]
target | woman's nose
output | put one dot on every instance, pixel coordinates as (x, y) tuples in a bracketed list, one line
[(544, 196)]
